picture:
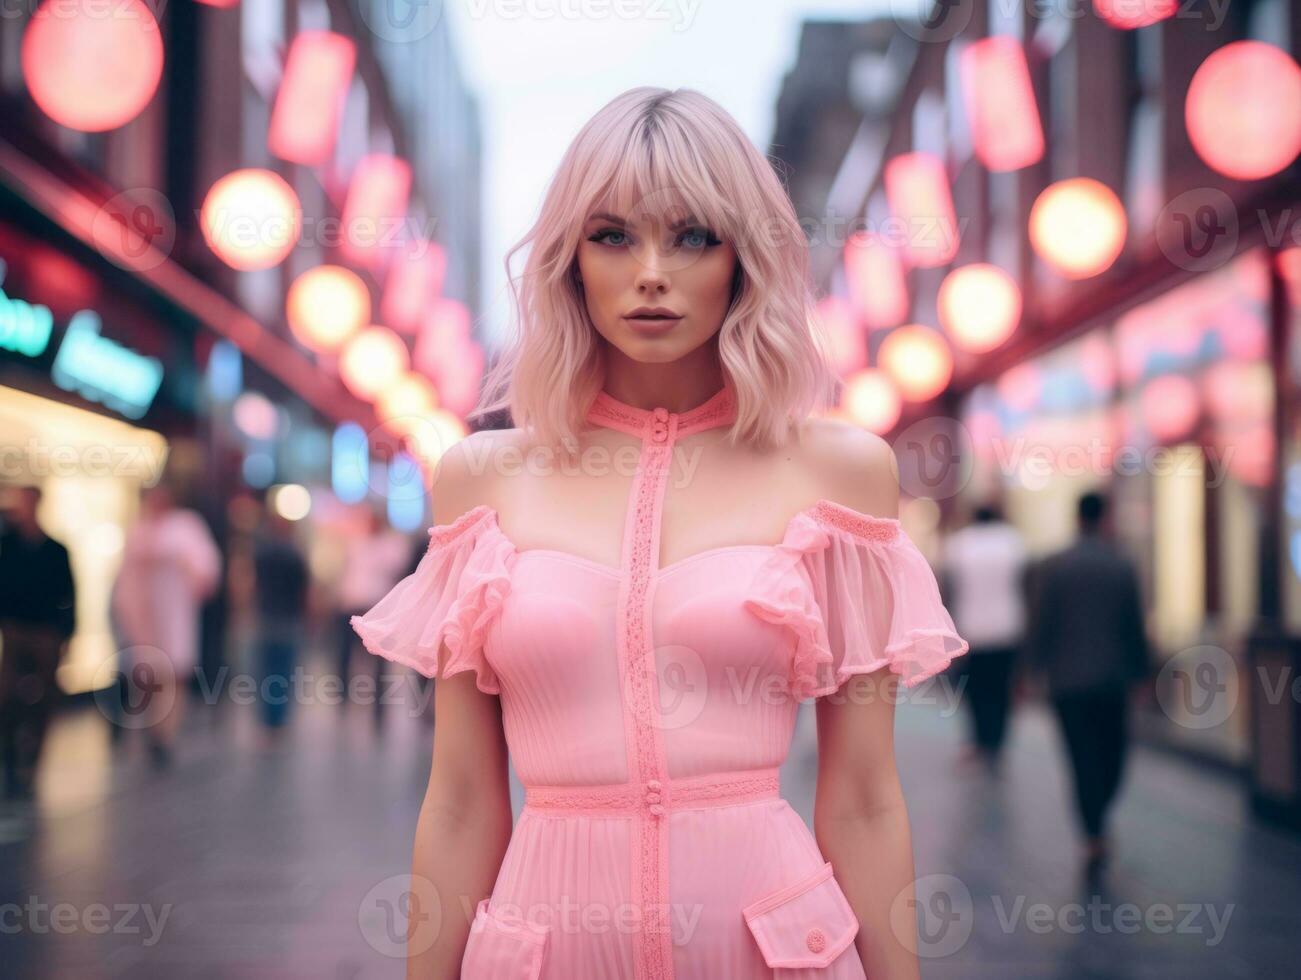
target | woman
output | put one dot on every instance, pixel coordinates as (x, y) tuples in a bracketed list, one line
[(170, 566), (632, 592)]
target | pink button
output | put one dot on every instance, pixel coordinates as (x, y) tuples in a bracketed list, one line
[(815, 941), (661, 413), (653, 797), (656, 809), (653, 783)]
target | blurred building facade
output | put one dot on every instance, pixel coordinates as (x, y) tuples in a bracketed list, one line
[(1167, 379), (127, 345)]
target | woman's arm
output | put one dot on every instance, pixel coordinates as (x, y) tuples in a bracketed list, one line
[(465, 819), (861, 821), (859, 816), (463, 828)]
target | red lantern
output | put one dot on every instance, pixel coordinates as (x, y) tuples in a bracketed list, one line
[(1170, 405), (309, 103), (872, 400), (327, 306), (847, 347), (1129, 15), (251, 219), (918, 190), (1244, 110), (446, 327), (918, 360), (373, 361), (1078, 227), (1004, 118), (414, 281), (979, 306), (89, 71), (377, 202), (875, 275)]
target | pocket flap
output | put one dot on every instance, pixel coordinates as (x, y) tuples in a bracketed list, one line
[(806, 924), (502, 948)]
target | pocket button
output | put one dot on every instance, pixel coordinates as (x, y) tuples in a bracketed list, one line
[(816, 940)]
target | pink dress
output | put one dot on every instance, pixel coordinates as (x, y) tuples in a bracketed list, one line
[(647, 711)]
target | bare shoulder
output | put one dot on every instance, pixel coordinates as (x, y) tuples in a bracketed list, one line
[(465, 475), (852, 466)]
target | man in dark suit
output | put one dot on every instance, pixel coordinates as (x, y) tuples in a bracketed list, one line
[(1088, 642), (37, 617)]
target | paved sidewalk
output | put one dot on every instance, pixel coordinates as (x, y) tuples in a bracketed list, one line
[(257, 864)]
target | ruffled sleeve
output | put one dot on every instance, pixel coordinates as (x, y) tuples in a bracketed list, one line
[(857, 595), (452, 597)]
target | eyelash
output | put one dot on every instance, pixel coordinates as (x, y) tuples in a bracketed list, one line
[(710, 239)]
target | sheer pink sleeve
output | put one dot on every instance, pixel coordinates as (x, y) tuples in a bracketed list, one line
[(858, 596), (451, 597)]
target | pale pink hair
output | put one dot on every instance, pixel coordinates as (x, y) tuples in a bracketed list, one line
[(683, 149)]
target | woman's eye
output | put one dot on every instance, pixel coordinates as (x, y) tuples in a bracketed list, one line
[(604, 236), (698, 238)]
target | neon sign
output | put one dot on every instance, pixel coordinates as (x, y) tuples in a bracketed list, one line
[(25, 328), (103, 371)]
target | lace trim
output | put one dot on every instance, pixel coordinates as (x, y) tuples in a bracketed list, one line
[(837, 515), (441, 534), (718, 789), (718, 409)]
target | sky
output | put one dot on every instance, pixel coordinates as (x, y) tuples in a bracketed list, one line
[(542, 68)]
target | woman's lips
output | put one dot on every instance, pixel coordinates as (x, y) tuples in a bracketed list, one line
[(652, 324)]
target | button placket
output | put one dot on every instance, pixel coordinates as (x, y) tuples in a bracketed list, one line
[(654, 797)]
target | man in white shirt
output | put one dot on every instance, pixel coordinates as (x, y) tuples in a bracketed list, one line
[(984, 567)]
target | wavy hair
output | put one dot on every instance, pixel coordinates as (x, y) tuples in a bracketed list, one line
[(674, 149)]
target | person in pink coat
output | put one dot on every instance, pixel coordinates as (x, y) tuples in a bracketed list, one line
[(629, 595), (170, 566)]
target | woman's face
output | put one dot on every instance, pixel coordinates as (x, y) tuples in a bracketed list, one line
[(675, 264)]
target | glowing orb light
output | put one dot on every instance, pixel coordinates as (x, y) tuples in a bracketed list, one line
[(1078, 227), (979, 306), (327, 306), (871, 400), (251, 219), (372, 361), (1243, 111), (90, 67), (918, 360)]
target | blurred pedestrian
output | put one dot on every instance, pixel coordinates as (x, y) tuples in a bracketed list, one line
[(280, 590), (984, 568), (37, 603), (373, 563), (171, 565), (1089, 643)]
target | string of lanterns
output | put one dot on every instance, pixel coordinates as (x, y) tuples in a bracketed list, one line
[(1243, 117), (94, 73)]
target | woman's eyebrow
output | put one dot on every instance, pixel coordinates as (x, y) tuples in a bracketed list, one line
[(605, 216)]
